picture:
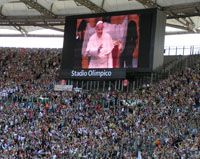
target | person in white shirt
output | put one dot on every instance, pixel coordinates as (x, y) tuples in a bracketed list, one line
[(99, 48)]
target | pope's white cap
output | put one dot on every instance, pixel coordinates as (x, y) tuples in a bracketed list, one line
[(99, 22)]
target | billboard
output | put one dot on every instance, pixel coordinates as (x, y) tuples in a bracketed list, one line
[(63, 87), (108, 42)]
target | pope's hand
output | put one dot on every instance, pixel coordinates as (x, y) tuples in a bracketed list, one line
[(100, 47)]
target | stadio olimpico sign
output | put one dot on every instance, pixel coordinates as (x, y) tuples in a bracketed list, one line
[(93, 73)]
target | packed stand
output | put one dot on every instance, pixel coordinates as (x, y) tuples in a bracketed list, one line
[(156, 121)]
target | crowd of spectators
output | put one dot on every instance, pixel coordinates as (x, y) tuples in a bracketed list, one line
[(158, 121)]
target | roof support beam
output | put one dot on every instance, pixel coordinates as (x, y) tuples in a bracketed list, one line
[(186, 24), (198, 30), (149, 4), (178, 32), (22, 30), (191, 21), (183, 16), (33, 21), (40, 8), (31, 35), (92, 6), (60, 36), (102, 5), (177, 26), (181, 6), (197, 9), (181, 22), (1, 15), (53, 28)]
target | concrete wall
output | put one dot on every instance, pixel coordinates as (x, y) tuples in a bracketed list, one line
[(158, 55)]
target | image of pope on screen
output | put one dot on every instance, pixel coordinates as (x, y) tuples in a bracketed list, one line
[(99, 48), (109, 42)]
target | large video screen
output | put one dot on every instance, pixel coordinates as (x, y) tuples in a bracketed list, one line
[(107, 42), (114, 42)]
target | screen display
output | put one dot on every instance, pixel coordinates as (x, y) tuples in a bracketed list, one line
[(107, 42)]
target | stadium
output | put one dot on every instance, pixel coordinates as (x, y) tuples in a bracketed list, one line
[(113, 91)]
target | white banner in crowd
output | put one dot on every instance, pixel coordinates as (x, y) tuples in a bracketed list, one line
[(76, 89), (63, 87)]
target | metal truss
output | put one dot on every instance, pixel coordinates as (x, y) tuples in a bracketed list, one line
[(92, 6), (149, 4), (180, 13), (35, 5), (177, 12)]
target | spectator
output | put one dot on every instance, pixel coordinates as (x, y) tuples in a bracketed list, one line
[(161, 121)]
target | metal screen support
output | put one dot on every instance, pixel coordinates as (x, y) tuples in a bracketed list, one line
[(90, 85), (97, 85), (94, 84), (103, 85), (87, 85), (119, 85), (133, 85), (122, 85), (68, 82), (151, 77)]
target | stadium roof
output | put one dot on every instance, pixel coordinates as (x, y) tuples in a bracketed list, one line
[(30, 15)]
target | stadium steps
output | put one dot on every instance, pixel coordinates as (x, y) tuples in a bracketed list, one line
[(173, 64), (180, 63)]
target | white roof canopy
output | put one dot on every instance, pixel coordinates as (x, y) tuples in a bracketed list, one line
[(30, 15)]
